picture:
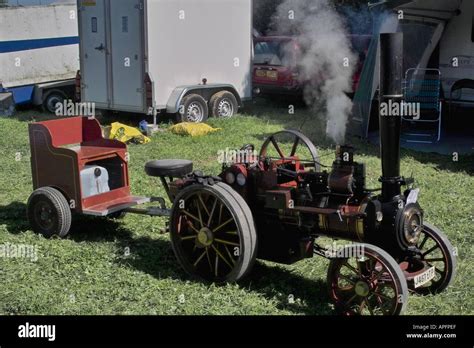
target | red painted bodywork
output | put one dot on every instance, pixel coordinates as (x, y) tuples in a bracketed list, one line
[(59, 151)]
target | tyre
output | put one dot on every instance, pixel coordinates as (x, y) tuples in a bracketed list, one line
[(193, 109), (52, 99), (49, 213), (251, 225), (364, 279), (212, 233), (436, 250), (223, 104)]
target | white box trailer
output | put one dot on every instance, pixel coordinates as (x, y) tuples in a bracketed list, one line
[(189, 57), (39, 53)]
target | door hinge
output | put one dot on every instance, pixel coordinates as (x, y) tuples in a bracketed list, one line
[(139, 6), (140, 90)]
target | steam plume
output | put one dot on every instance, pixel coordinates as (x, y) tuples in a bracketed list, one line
[(327, 63)]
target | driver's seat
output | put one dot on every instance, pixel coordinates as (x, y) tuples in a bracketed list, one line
[(172, 168)]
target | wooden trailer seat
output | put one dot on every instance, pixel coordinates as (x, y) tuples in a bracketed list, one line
[(60, 150)]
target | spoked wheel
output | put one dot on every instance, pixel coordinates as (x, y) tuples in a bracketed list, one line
[(213, 233), (49, 213), (289, 144), (367, 280), (436, 250)]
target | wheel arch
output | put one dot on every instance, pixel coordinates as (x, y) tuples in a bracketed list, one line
[(205, 91)]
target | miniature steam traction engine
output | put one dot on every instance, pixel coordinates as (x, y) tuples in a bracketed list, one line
[(271, 206)]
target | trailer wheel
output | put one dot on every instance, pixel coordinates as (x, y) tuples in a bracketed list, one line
[(49, 213), (193, 109), (212, 235), (436, 250), (223, 104), (364, 279), (52, 99)]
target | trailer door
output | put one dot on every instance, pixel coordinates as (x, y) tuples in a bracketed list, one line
[(94, 52), (127, 55)]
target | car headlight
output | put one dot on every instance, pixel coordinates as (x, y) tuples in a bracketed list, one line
[(241, 179), (230, 178)]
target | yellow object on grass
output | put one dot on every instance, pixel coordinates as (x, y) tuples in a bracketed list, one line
[(127, 134), (193, 129)]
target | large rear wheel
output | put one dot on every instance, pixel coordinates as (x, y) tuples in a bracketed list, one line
[(212, 235)]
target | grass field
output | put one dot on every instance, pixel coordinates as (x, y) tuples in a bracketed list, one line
[(91, 271)]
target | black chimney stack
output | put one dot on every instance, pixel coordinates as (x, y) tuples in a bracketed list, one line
[(391, 72)]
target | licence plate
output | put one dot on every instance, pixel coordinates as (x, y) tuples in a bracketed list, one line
[(261, 73), (273, 75), (424, 277)]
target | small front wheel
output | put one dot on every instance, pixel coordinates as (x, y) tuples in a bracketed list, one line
[(436, 251), (364, 279), (49, 213)]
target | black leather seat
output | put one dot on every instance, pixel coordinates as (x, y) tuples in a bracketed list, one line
[(169, 167)]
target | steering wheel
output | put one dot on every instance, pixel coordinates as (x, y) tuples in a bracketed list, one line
[(248, 147), (248, 151), (301, 146)]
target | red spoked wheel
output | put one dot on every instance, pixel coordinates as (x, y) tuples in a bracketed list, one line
[(288, 145), (213, 233), (365, 280), (436, 251)]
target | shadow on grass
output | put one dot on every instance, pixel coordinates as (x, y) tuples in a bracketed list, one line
[(155, 257), (152, 256), (13, 216), (97, 229), (284, 285), (440, 162)]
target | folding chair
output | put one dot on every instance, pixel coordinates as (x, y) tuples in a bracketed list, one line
[(423, 86)]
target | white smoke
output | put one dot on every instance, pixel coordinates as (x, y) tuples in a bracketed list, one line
[(327, 63)]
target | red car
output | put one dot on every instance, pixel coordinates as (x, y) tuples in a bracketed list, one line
[(276, 64)]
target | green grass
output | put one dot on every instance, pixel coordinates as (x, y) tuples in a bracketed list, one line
[(89, 272)]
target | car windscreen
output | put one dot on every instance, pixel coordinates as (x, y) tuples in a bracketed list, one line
[(271, 53)]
